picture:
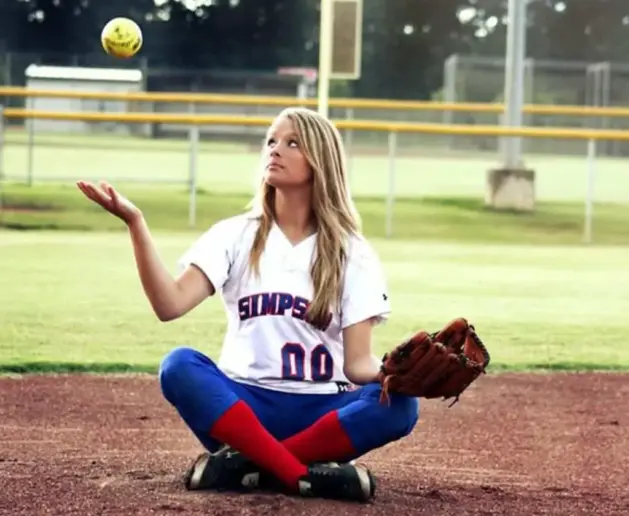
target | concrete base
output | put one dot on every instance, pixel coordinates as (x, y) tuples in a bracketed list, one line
[(510, 189)]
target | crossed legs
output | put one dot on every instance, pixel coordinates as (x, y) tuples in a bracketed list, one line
[(282, 433)]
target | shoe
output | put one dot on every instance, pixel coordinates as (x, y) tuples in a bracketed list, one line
[(341, 482), (225, 469), (228, 470)]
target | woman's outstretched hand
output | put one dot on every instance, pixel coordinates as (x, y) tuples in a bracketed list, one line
[(107, 197)]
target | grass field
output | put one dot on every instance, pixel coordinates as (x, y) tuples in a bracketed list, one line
[(230, 168), (70, 298)]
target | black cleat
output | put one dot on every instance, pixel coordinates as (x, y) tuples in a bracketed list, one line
[(341, 482), (229, 470), (226, 469)]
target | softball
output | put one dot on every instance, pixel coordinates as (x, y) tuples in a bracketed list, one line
[(121, 37)]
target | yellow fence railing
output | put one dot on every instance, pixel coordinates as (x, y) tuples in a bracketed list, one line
[(392, 128), (365, 125), (348, 103)]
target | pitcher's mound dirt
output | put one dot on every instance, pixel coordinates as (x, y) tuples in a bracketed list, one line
[(514, 445)]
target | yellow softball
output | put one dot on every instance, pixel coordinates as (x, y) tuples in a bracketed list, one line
[(121, 37)]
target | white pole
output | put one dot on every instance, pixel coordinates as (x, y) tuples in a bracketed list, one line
[(514, 80), (192, 179), (1, 161), (349, 140), (589, 191), (31, 143), (1, 143), (391, 191), (450, 70), (528, 95), (325, 55)]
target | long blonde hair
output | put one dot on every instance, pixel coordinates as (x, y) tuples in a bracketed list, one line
[(334, 213)]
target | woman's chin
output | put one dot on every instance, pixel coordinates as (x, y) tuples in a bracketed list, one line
[(274, 178)]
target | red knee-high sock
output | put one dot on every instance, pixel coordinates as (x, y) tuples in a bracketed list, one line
[(324, 441), (240, 428)]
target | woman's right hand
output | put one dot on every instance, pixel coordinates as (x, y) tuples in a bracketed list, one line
[(107, 197)]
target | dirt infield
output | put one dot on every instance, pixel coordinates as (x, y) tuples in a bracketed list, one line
[(514, 445)]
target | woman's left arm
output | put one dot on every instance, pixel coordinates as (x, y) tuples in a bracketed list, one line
[(365, 304), (360, 366)]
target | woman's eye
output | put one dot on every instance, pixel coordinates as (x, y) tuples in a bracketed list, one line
[(290, 143)]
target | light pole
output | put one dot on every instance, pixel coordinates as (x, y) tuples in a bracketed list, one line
[(325, 56)]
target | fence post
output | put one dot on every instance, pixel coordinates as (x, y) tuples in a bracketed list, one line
[(391, 190), (1, 143), (450, 71), (192, 174), (31, 142), (589, 190), (349, 140), (1, 165)]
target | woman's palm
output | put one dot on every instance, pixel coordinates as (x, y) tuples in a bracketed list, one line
[(107, 197)]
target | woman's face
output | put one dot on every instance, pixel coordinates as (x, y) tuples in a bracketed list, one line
[(285, 165)]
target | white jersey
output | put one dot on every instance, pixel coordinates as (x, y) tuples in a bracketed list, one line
[(268, 341)]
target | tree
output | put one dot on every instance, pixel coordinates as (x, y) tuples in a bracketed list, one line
[(405, 44)]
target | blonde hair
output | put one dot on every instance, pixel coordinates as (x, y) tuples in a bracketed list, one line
[(335, 215)]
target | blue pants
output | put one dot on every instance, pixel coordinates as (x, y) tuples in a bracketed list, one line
[(201, 393)]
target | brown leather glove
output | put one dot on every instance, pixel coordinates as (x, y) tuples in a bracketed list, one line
[(435, 365)]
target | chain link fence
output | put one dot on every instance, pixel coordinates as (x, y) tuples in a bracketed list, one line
[(553, 82)]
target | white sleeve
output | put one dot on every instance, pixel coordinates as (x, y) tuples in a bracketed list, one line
[(212, 253), (365, 293)]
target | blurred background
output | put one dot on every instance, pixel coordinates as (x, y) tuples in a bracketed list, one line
[(454, 50), (422, 61)]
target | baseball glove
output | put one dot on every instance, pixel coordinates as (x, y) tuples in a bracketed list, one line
[(434, 365)]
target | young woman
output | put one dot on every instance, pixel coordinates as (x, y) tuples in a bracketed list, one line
[(294, 398)]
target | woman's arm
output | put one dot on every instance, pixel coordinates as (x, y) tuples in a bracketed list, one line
[(365, 304), (360, 366), (170, 298)]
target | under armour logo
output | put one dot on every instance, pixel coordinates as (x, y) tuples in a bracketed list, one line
[(345, 387)]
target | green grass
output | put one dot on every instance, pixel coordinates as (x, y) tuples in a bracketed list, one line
[(71, 301), (53, 206)]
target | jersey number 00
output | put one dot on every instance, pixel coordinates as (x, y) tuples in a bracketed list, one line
[(295, 361)]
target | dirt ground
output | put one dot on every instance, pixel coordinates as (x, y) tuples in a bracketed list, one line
[(514, 445)]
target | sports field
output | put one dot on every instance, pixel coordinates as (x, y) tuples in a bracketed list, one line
[(231, 168), (73, 301), (541, 300)]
